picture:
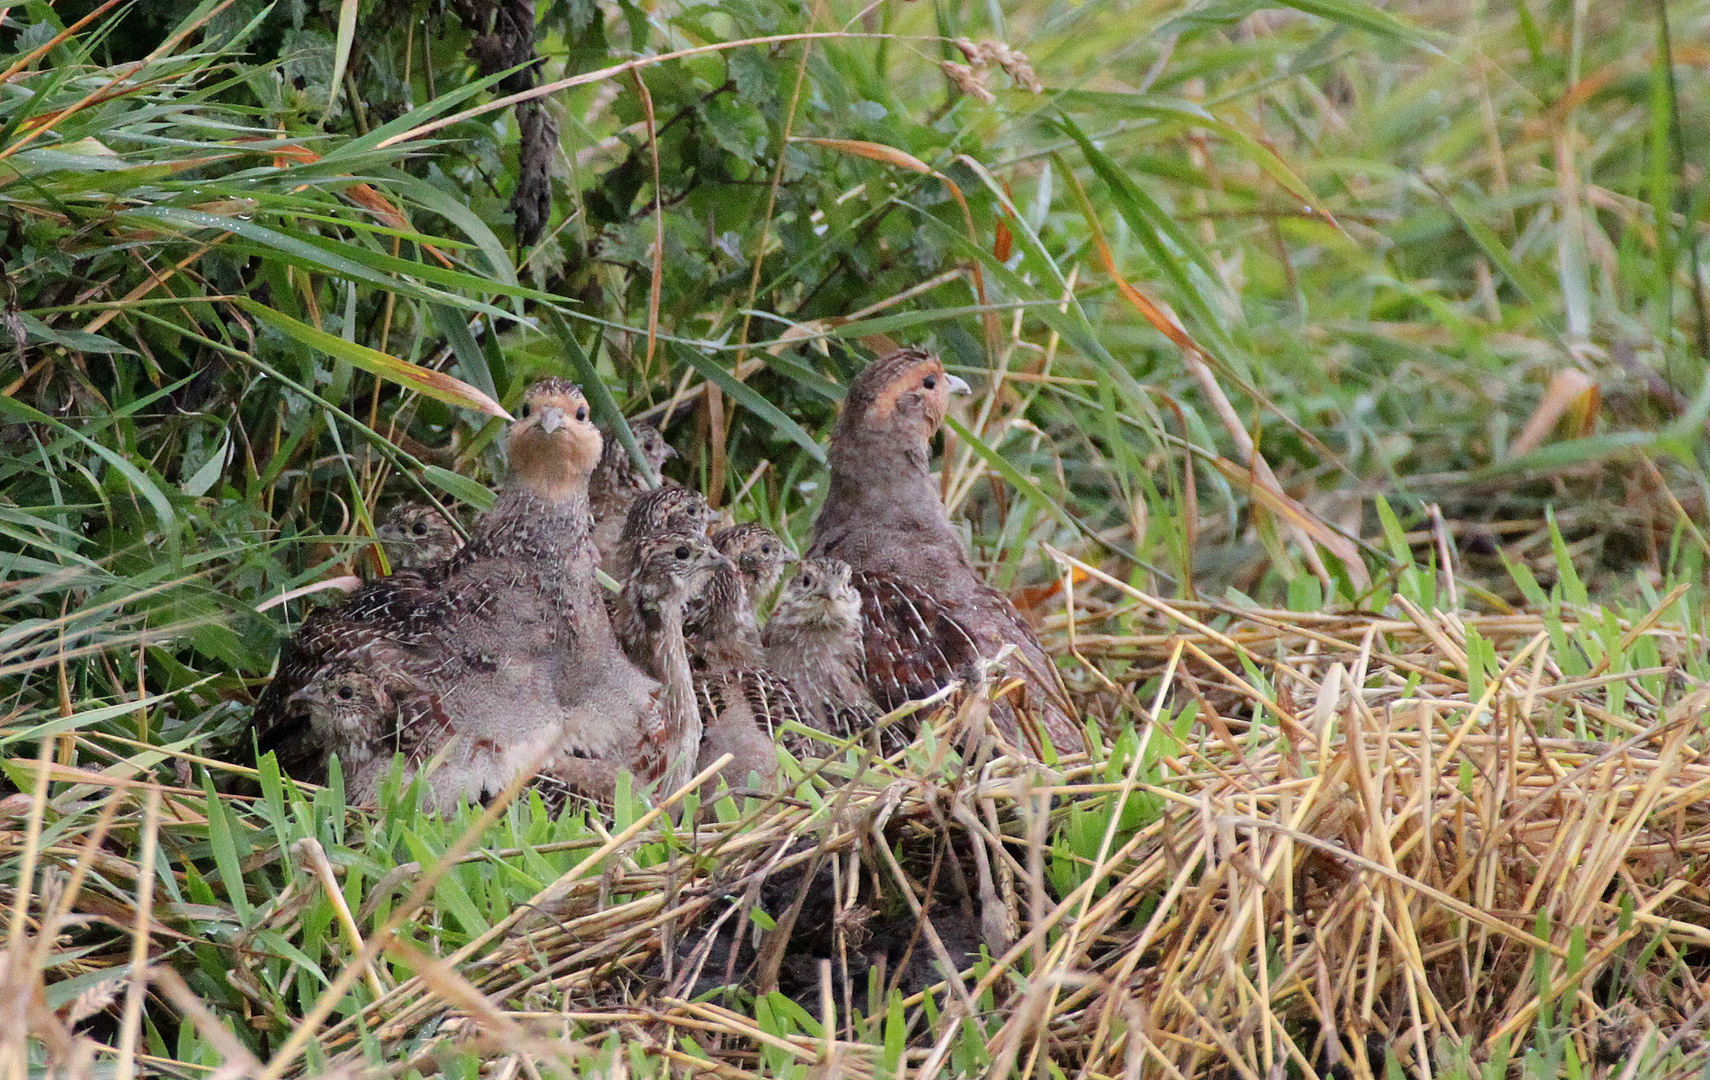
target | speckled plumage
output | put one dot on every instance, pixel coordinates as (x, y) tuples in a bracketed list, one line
[(670, 566), (617, 483), (745, 705), (760, 556), (509, 635), (664, 509), (721, 622), (813, 639), (366, 715), (927, 616), (417, 535)]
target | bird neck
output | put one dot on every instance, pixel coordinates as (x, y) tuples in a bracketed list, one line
[(887, 479), (729, 636), (553, 526), (681, 711)]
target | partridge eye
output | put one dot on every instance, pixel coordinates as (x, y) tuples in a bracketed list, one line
[(582, 413), (419, 528), (526, 409), (682, 551), (930, 381), (345, 693), (765, 549)]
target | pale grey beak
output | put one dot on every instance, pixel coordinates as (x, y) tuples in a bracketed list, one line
[(551, 419), (958, 385)]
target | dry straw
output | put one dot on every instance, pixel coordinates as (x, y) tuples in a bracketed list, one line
[(1343, 839)]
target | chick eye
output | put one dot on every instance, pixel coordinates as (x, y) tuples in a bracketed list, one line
[(526, 409), (419, 528), (345, 693), (765, 549), (682, 551), (582, 413), (930, 381)]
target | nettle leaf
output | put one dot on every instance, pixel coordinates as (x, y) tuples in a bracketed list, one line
[(738, 133), (755, 77)]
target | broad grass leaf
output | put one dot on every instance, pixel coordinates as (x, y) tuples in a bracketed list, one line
[(434, 384)]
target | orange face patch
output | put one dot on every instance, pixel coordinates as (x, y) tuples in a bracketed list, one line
[(571, 449), (908, 379)]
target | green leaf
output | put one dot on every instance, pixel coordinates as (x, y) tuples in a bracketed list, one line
[(749, 398), (434, 384), (461, 488)]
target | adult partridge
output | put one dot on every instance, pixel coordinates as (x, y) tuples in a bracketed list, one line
[(928, 617)]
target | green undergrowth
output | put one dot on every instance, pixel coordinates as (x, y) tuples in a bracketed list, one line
[(1441, 264)]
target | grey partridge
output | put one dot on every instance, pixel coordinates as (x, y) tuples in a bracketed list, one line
[(509, 636), (760, 556), (417, 535), (617, 483), (721, 623), (745, 704), (365, 716), (928, 617), (664, 509), (813, 640), (670, 566)]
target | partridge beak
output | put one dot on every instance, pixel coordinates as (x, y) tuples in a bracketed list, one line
[(551, 419), (958, 385), (670, 452), (301, 697)]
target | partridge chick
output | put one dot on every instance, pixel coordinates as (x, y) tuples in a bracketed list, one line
[(673, 509), (670, 566), (722, 624), (928, 617), (617, 483), (509, 635), (760, 556), (365, 717), (417, 535), (813, 640), (745, 704)]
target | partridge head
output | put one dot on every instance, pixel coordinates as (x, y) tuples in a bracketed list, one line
[(348, 709), (758, 554), (664, 509), (416, 535), (617, 474), (900, 399), (670, 567), (554, 446), (820, 597)]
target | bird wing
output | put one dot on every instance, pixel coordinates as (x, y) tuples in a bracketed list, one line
[(913, 643), (916, 642), (398, 611)]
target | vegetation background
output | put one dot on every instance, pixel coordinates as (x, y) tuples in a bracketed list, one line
[(1340, 414)]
